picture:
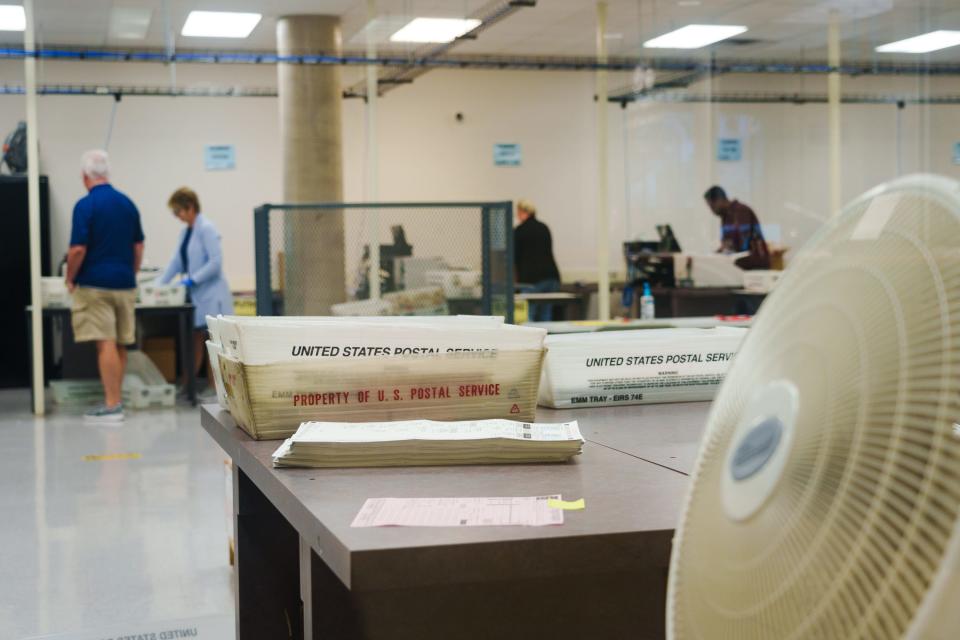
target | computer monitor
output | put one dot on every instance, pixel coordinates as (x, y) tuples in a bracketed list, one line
[(668, 241)]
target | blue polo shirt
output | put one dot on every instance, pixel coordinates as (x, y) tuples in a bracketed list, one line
[(107, 223)]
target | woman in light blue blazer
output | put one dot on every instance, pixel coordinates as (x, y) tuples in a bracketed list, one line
[(199, 260)]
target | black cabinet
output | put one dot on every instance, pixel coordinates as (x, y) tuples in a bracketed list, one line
[(15, 274)]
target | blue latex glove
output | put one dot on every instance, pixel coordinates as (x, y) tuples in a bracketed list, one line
[(188, 283)]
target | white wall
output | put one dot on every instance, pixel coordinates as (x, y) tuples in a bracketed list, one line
[(425, 154), (784, 173), (156, 147)]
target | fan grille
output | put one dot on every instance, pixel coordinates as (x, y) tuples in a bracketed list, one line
[(866, 325)]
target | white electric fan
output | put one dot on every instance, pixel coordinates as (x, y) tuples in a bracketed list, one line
[(825, 499)]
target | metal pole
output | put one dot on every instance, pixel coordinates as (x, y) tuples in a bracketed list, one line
[(900, 106), (603, 215), (169, 47), (833, 100), (711, 136), (486, 261), (627, 208), (508, 284), (33, 196), (373, 230), (262, 266)]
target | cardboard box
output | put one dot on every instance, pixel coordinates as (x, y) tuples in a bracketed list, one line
[(163, 352), (643, 366), (271, 340), (269, 401)]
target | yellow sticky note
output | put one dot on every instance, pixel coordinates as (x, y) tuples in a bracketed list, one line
[(112, 456), (567, 505)]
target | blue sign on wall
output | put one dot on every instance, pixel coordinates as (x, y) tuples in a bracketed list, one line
[(728, 150), (219, 157), (956, 153), (506, 155)]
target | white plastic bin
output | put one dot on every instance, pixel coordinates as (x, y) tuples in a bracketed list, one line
[(761, 280), (143, 384), (162, 295), (53, 293), (76, 392), (458, 283), (213, 352)]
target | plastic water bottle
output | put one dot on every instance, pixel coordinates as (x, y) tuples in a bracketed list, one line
[(647, 311)]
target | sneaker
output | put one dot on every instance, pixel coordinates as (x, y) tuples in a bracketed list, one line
[(103, 413)]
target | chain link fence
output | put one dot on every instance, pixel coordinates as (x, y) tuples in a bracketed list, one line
[(434, 259)]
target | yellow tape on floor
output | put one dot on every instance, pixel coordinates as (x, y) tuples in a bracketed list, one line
[(111, 456)]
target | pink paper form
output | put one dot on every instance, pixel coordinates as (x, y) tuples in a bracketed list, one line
[(458, 512)]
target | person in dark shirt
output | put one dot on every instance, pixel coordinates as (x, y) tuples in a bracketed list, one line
[(106, 249), (536, 270), (739, 230)]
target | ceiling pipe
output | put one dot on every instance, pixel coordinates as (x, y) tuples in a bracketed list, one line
[(488, 15), (530, 63), (117, 91), (534, 63), (269, 92), (799, 99)]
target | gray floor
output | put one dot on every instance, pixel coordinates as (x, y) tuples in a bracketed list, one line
[(122, 544)]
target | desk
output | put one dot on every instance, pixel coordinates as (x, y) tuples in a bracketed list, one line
[(683, 302), (593, 326), (663, 434), (748, 301), (184, 315), (602, 574), (555, 298)]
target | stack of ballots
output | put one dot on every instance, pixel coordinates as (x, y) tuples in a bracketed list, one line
[(636, 367), (425, 442), (277, 372)]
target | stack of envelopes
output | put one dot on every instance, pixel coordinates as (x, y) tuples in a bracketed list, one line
[(426, 442)]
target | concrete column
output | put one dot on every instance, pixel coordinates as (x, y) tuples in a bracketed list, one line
[(310, 97)]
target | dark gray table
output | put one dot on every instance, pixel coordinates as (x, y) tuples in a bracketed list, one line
[(184, 315), (663, 434), (302, 572)]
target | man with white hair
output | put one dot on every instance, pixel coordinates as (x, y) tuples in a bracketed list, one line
[(106, 248)]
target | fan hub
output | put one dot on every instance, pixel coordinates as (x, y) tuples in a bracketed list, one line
[(761, 447)]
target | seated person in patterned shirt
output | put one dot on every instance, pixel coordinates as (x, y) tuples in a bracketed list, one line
[(739, 230)]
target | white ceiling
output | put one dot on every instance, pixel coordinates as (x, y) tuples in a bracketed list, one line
[(785, 29)]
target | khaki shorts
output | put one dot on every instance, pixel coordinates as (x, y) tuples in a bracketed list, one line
[(104, 314)]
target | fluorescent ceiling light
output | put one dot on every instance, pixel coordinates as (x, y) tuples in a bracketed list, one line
[(12, 18), (219, 24), (434, 30), (923, 43), (378, 30), (694, 36), (129, 23)]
